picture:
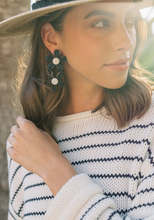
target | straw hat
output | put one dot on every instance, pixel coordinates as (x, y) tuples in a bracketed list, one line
[(24, 23)]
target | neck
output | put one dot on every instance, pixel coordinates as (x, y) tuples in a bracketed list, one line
[(80, 99)]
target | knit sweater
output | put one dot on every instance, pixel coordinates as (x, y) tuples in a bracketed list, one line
[(115, 172)]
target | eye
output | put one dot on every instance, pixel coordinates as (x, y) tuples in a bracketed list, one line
[(101, 24)]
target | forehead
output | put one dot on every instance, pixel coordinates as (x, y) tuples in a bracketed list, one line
[(113, 7), (110, 5)]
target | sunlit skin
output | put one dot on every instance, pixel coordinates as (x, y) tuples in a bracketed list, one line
[(88, 44)]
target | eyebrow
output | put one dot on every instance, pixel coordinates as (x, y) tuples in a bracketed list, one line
[(107, 13)]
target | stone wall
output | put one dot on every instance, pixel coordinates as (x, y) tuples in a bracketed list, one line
[(10, 50)]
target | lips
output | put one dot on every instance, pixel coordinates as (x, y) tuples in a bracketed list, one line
[(119, 65), (118, 62)]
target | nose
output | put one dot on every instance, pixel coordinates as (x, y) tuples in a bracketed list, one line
[(124, 39)]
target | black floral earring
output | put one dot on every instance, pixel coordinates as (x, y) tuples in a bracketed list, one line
[(56, 62)]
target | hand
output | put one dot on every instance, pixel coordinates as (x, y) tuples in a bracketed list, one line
[(37, 152)]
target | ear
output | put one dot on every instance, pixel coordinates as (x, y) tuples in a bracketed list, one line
[(49, 37)]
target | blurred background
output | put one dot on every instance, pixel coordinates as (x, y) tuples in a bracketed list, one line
[(147, 57), (10, 50)]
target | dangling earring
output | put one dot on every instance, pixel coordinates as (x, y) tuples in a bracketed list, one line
[(56, 61)]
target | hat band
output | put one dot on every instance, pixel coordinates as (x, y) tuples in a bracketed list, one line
[(45, 3)]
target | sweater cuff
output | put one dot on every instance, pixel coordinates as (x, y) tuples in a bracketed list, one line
[(72, 197)]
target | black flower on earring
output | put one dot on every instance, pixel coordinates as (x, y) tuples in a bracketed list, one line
[(55, 81), (56, 61)]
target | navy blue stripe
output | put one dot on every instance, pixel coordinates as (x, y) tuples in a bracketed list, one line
[(34, 213), (11, 215), (135, 207), (14, 174), (110, 217), (107, 145), (122, 211), (39, 198), (107, 160), (151, 175), (107, 132), (113, 176), (146, 190), (125, 217), (140, 175), (92, 207), (150, 157), (32, 200), (140, 206), (18, 213), (119, 194), (35, 185), (20, 209), (16, 192), (10, 162), (128, 195)]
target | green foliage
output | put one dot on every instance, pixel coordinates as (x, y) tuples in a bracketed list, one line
[(147, 57)]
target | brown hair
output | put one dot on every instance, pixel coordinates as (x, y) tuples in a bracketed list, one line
[(39, 103)]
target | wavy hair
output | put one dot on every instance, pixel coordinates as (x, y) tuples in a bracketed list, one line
[(39, 103)]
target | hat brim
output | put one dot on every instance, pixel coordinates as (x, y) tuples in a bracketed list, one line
[(23, 24)]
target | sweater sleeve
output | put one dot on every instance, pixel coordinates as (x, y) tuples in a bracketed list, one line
[(82, 199), (15, 201)]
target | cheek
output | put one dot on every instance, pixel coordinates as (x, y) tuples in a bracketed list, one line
[(87, 53), (133, 37), (82, 50)]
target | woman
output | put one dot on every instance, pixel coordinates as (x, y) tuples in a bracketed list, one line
[(85, 146)]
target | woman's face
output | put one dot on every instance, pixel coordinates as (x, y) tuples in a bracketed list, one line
[(95, 35)]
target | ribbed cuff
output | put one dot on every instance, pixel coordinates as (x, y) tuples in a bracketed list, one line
[(72, 197)]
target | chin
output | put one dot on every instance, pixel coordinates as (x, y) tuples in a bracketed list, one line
[(115, 85)]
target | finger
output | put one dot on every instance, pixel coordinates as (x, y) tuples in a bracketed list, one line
[(44, 132), (11, 139), (10, 151), (14, 129), (20, 120), (25, 124)]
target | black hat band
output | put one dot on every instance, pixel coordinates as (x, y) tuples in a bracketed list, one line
[(45, 3)]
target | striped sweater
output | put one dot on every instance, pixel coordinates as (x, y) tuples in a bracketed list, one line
[(115, 170)]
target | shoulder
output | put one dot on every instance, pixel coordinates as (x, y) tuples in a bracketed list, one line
[(148, 117), (143, 127), (150, 111)]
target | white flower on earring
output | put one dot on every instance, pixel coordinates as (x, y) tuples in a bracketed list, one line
[(55, 81)]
